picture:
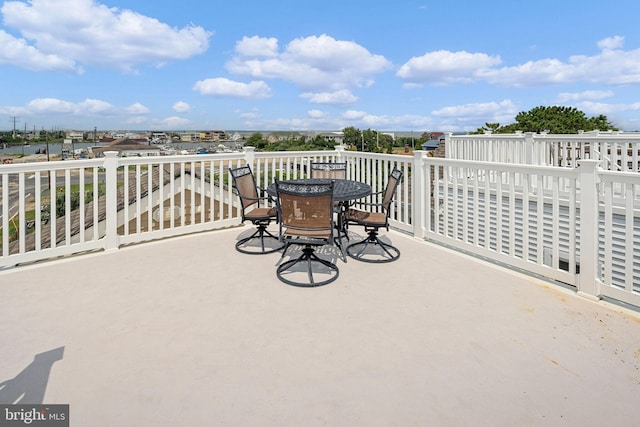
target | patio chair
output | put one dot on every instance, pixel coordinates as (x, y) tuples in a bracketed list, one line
[(329, 170), (306, 218), (260, 216), (372, 248)]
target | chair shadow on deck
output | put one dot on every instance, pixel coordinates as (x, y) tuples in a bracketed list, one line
[(373, 253), (29, 386), (299, 271), (255, 244)]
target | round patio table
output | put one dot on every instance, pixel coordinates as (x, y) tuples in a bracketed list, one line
[(343, 189)]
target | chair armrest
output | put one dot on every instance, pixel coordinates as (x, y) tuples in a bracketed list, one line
[(263, 191)]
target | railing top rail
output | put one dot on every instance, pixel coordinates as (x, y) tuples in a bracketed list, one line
[(501, 167), (48, 166), (631, 137)]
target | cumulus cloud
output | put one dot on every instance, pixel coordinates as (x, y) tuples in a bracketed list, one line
[(611, 43), (228, 88), (18, 52), (172, 122), (316, 114), (566, 97), (468, 114), (137, 108), (612, 66), (57, 106), (444, 67), (340, 97), (315, 62), (66, 35), (257, 47), (181, 107)]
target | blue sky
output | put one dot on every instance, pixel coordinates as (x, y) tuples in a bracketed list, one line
[(313, 65)]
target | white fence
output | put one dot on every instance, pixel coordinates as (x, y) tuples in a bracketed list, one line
[(577, 225), (617, 151)]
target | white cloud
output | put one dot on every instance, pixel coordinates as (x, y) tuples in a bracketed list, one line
[(353, 114), (597, 108), (181, 107), (316, 114), (611, 43), (137, 108), (468, 114), (611, 66), (172, 122), (50, 105), (17, 52), (566, 97), (444, 67), (316, 62), (257, 47), (340, 97), (87, 107), (60, 35), (229, 88), (253, 114)]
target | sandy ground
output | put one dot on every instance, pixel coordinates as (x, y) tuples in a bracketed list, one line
[(28, 158)]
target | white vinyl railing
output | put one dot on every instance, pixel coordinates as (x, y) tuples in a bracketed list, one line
[(617, 151), (576, 225)]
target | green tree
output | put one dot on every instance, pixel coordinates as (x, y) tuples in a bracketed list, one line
[(351, 137), (256, 140), (554, 119)]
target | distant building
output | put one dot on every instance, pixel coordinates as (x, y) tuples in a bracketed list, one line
[(213, 136), (337, 137), (190, 137), (128, 148), (282, 136), (74, 135)]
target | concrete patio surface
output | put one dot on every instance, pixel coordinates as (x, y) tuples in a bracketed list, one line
[(189, 332)]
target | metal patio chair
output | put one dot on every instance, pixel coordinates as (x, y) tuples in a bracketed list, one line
[(330, 170), (306, 218), (372, 248), (257, 209)]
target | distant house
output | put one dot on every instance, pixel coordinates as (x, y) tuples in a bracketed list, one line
[(128, 148), (74, 135), (337, 137), (282, 136), (432, 144), (190, 137), (213, 136)]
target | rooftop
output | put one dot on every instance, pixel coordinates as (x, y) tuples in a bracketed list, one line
[(187, 331)]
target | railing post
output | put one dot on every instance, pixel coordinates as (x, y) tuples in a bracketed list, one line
[(418, 194), (588, 280), (111, 240), (339, 150), (448, 145), (249, 155)]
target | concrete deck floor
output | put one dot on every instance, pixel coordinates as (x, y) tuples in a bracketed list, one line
[(189, 332)]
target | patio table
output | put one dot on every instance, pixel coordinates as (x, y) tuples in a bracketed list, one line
[(343, 189)]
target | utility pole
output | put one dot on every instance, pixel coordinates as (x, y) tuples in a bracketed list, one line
[(15, 120), (46, 139)]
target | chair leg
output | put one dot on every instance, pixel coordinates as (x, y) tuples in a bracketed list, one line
[(261, 233), (308, 257), (391, 253)]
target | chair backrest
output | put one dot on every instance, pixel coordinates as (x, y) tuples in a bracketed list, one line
[(394, 179), (245, 185), (305, 208), (328, 170)]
